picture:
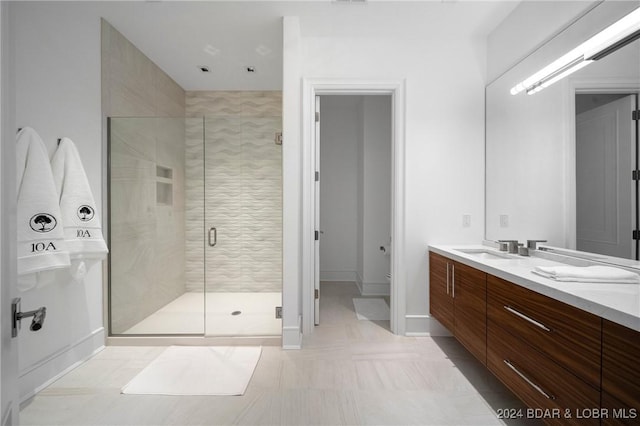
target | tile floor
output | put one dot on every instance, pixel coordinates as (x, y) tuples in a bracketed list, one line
[(211, 314), (350, 372)]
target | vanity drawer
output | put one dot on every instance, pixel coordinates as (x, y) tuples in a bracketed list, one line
[(621, 363), (537, 380), (568, 335)]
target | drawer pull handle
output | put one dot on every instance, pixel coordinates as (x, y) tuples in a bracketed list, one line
[(526, 318), (447, 277), (453, 281), (526, 379)]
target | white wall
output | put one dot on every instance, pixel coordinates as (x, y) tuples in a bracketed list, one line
[(376, 188), (340, 135), (57, 89), (9, 408), (291, 184), (444, 172)]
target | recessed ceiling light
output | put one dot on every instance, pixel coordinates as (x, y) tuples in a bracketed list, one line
[(204, 68), (211, 50), (263, 50)]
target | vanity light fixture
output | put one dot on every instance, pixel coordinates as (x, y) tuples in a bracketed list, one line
[(607, 41)]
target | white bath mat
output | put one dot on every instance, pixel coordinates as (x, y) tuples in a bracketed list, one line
[(371, 309), (197, 370)]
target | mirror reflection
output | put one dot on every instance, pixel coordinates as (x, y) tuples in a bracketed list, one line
[(560, 162)]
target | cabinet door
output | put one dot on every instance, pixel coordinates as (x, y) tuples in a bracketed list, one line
[(620, 368), (469, 292), (619, 413), (440, 300)]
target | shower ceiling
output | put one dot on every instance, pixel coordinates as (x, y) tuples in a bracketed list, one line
[(229, 36)]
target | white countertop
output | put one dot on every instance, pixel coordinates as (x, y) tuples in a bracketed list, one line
[(619, 303)]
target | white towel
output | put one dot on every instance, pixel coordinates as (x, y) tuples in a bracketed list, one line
[(82, 228), (41, 245), (590, 274)]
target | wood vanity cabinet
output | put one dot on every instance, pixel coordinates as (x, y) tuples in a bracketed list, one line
[(621, 372), (545, 351), (548, 353), (457, 298)]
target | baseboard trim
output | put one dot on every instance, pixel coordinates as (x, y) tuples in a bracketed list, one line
[(422, 325), (338, 275), (38, 376), (375, 289), (416, 325), (292, 336)]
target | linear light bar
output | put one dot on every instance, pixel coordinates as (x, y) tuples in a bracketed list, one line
[(607, 41), (559, 75)]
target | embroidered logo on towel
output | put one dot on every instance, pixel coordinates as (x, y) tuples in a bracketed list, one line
[(43, 222), (85, 213)]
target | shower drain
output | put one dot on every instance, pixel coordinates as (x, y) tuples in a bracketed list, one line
[(236, 312)]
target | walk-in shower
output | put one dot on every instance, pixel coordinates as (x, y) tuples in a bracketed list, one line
[(195, 220)]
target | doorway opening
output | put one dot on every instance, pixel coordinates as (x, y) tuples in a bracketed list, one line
[(353, 212), (312, 91), (607, 180)]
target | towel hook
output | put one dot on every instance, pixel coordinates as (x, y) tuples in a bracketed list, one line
[(59, 140), (19, 129)]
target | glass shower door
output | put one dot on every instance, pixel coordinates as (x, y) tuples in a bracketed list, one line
[(156, 266), (243, 225)]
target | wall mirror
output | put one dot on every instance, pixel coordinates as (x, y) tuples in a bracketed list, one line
[(559, 162)]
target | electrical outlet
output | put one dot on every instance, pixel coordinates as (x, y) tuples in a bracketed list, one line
[(466, 220), (504, 221)]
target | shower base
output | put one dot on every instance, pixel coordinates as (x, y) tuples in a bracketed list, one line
[(215, 314)]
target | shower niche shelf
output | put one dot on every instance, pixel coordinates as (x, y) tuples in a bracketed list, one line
[(164, 186)]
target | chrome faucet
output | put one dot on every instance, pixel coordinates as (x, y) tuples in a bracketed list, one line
[(532, 244), (511, 245)]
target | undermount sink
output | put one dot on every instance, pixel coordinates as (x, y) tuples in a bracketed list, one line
[(486, 254)]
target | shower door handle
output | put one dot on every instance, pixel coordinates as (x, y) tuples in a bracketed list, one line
[(215, 236)]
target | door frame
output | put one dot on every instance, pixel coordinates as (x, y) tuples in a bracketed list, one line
[(575, 87), (318, 87)]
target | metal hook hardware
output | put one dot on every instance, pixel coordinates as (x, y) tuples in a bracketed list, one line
[(17, 316)]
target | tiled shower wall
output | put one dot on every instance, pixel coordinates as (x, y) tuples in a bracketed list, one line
[(147, 175), (235, 179)]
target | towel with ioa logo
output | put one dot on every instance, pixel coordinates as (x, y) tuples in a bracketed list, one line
[(80, 221), (41, 242)]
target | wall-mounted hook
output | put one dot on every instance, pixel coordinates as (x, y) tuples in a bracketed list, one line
[(59, 140), (19, 129)]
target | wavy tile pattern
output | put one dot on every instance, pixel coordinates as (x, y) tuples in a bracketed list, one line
[(234, 182)]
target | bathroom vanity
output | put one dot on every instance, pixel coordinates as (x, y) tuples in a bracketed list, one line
[(569, 349)]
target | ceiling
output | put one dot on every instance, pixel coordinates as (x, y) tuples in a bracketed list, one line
[(229, 36)]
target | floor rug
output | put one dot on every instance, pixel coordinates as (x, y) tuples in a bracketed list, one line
[(371, 309), (197, 370)]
